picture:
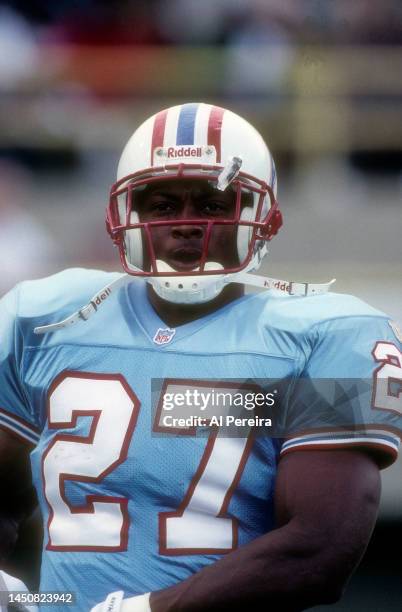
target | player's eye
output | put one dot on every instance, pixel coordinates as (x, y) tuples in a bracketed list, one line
[(162, 207), (214, 208)]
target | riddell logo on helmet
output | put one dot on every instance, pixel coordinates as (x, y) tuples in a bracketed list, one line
[(205, 153), (184, 152)]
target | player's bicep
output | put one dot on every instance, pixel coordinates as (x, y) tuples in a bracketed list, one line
[(330, 496)]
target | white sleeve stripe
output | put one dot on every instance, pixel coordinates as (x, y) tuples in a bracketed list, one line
[(19, 420), (19, 428), (387, 443), (369, 434)]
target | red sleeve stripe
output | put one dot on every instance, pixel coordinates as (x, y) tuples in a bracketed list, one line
[(19, 420), (386, 445), (334, 442), (381, 436), (17, 435), (386, 454), (19, 427), (215, 130), (158, 133)]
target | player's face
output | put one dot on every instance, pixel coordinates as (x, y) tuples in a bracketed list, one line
[(181, 246)]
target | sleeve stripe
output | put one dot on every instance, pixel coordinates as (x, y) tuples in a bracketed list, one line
[(386, 451), (387, 441), (18, 427), (19, 420)]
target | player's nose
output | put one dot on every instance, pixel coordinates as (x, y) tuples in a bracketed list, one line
[(188, 212), (187, 231)]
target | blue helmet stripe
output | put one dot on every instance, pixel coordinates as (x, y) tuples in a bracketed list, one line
[(186, 124)]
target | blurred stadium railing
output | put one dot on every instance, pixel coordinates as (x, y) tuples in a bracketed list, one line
[(327, 98)]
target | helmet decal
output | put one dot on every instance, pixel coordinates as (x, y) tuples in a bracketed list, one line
[(186, 125), (215, 129), (158, 132)]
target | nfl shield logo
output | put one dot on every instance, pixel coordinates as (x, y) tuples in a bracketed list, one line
[(164, 336)]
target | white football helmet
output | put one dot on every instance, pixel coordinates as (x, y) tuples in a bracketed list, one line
[(195, 141)]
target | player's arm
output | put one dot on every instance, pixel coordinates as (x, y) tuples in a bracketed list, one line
[(18, 499), (326, 507), (326, 504)]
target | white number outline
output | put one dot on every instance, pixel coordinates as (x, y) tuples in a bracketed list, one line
[(212, 443), (164, 517), (89, 508), (214, 440)]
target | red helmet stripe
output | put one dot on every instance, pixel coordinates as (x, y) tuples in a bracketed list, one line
[(158, 132), (214, 129)]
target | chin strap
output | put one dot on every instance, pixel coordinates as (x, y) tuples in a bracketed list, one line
[(86, 311), (265, 282), (290, 287)]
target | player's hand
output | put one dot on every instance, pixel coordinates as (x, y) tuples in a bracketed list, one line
[(7, 585), (115, 602)]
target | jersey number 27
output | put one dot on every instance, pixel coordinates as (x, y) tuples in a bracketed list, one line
[(102, 523)]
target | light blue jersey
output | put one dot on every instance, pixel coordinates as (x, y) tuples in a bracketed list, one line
[(128, 504)]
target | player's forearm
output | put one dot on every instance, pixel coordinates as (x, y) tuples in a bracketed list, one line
[(281, 570)]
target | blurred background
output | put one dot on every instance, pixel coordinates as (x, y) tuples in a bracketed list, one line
[(321, 80)]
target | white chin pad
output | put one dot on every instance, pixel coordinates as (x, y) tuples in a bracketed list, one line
[(188, 289)]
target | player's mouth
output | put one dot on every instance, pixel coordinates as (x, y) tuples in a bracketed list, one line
[(185, 258)]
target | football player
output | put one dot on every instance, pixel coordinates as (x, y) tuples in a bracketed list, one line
[(142, 516)]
